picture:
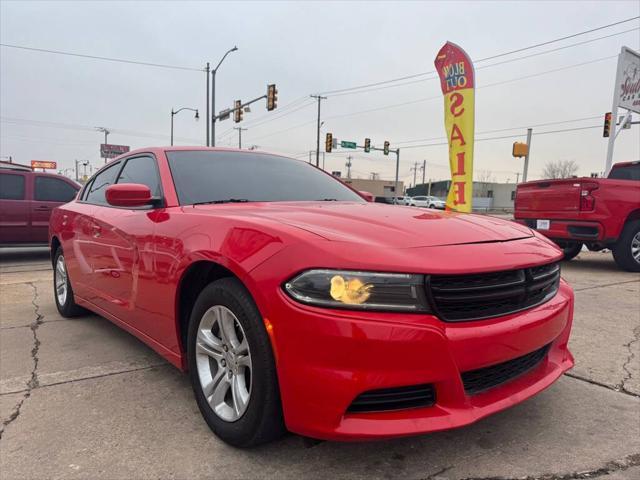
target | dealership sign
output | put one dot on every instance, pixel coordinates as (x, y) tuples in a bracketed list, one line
[(43, 164), (627, 93), (457, 81), (112, 151)]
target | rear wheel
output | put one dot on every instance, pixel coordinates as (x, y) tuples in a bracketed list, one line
[(231, 366), (626, 251), (570, 249), (62, 291)]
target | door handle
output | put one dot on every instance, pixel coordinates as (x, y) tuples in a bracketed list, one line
[(42, 208), (97, 231)]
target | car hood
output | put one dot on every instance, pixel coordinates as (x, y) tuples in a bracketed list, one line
[(376, 224)]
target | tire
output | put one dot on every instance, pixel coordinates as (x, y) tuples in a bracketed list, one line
[(241, 357), (62, 291), (570, 249), (626, 251)]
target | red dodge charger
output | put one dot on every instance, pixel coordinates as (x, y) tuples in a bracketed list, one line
[(294, 303)]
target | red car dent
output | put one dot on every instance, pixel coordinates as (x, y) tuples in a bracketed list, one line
[(325, 358)]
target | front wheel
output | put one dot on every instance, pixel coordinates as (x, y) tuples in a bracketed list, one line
[(626, 251), (231, 366)]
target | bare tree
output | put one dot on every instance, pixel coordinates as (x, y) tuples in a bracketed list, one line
[(560, 169)]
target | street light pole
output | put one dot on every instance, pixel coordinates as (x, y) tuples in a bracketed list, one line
[(106, 134), (207, 69), (240, 129), (213, 96), (174, 113)]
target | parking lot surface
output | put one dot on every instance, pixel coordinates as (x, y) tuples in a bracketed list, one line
[(81, 398)]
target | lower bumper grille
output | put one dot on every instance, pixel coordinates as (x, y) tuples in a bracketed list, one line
[(398, 398), (476, 381)]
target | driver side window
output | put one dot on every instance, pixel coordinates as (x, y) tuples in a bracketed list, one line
[(142, 170), (95, 193)]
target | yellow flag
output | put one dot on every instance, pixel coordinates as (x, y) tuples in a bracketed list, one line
[(457, 80)]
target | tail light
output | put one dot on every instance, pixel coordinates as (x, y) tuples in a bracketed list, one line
[(587, 201)]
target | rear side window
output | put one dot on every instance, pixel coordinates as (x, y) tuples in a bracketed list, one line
[(49, 189), (11, 186), (141, 170), (627, 172), (100, 183)]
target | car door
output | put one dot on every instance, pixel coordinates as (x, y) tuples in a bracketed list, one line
[(122, 251), (49, 192), (14, 208)]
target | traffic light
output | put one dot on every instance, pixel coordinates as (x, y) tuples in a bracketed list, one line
[(607, 124), (272, 97), (328, 144), (367, 145), (385, 149), (237, 112), (520, 149)]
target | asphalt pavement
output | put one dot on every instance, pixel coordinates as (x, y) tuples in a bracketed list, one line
[(81, 398)]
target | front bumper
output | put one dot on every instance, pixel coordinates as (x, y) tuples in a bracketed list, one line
[(325, 359)]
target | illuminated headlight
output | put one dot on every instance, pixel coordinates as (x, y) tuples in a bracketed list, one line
[(359, 290)]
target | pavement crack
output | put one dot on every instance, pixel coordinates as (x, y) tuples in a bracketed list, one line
[(33, 381), (627, 462), (625, 366), (603, 385)]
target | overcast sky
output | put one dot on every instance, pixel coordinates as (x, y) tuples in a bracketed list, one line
[(50, 103)]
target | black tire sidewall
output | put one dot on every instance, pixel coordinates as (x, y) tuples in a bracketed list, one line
[(257, 423), (622, 249)]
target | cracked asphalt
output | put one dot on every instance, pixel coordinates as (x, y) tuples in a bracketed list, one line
[(81, 398)]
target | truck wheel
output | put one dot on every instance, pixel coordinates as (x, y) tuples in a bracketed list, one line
[(570, 249), (626, 251)]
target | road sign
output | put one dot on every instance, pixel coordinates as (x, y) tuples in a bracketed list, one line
[(43, 164), (224, 114), (345, 144), (112, 151)]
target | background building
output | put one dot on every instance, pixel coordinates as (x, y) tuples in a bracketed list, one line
[(377, 187), (486, 195)]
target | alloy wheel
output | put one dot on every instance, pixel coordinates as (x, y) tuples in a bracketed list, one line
[(635, 247), (61, 280), (223, 362)]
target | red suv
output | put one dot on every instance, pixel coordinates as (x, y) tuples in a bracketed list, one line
[(26, 201)]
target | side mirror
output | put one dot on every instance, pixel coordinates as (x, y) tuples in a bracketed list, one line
[(367, 196), (128, 195)]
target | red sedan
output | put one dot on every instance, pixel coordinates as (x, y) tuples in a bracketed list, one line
[(294, 303)]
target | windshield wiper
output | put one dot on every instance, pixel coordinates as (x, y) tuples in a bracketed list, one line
[(227, 200)]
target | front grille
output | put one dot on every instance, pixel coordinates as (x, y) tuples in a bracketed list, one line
[(458, 298), (476, 381), (397, 398)]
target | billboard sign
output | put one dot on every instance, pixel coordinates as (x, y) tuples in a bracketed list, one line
[(112, 151), (43, 164), (627, 93)]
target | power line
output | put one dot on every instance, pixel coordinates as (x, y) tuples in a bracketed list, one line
[(407, 77), (435, 76), (97, 57)]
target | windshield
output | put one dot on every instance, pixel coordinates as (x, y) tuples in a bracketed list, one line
[(202, 176)]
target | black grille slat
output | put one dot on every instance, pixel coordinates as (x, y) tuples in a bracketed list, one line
[(397, 398), (477, 381), (458, 298)]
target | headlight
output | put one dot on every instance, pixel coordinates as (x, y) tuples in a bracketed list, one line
[(360, 290)]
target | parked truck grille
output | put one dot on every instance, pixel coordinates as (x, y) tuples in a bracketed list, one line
[(458, 298), (476, 381), (398, 398)]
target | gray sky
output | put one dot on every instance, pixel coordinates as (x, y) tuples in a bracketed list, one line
[(306, 48)]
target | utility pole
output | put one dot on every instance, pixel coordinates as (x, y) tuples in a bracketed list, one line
[(397, 169), (517, 178), (415, 170), (348, 165), (106, 134), (77, 178), (526, 158), (320, 98), (207, 70), (240, 129), (424, 170), (429, 191)]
